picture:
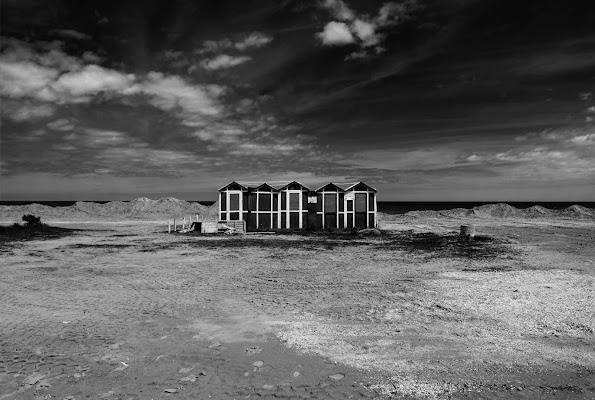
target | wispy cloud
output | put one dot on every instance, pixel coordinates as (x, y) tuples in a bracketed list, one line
[(550, 154), (223, 61), (71, 34), (22, 111), (62, 124), (253, 40)]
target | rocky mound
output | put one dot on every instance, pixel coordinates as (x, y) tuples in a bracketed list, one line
[(141, 208)]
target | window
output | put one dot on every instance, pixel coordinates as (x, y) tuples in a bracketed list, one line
[(234, 201), (294, 201), (330, 203), (224, 201), (360, 202), (264, 202), (371, 202)]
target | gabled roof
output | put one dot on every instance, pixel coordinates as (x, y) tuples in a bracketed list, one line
[(331, 187), (281, 185), (352, 186), (302, 187), (266, 186), (233, 183)]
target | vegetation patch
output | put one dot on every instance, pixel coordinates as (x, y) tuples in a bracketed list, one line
[(32, 229), (447, 246)]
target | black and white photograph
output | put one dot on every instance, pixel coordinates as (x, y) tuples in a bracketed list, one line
[(297, 199)]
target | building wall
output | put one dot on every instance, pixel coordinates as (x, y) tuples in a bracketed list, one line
[(231, 205), (340, 210), (293, 209), (290, 208)]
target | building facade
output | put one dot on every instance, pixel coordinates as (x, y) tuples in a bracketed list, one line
[(294, 206)]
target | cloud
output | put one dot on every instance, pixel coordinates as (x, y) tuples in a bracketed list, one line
[(361, 29), (584, 140), (29, 71), (339, 10), (90, 57), (585, 96), (25, 79), (591, 110), (559, 154), (392, 13), (336, 33), (25, 111), (93, 79), (71, 34), (366, 32), (62, 124), (206, 123), (46, 54), (223, 61), (173, 92), (254, 40)]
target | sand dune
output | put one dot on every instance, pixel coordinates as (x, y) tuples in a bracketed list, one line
[(141, 208), (503, 210), (169, 207)]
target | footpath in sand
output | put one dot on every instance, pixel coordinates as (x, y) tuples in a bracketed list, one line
[(124, 310)]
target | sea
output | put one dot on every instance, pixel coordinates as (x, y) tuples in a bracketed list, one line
[(387, 207)]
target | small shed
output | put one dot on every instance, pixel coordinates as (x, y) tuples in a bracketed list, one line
[(233, 202), (293, 206), (330, 207), (263, 207), (360, 206)]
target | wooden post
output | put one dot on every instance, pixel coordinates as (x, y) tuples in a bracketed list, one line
[(196, 217), (175, 225), (468, 231), (168, 226)]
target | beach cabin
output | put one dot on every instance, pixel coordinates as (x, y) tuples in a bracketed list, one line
[(294, 206), (263, 208), (330, 207), (346, 206), (233, 202), (360, 206)]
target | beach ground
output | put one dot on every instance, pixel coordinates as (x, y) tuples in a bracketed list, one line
[(128, 311)]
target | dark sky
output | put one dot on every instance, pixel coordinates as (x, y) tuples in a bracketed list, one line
[(422, 99)]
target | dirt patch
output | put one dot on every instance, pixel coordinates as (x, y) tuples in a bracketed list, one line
[(436, 245)]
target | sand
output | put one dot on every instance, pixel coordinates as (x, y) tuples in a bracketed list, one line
[(123, 310)]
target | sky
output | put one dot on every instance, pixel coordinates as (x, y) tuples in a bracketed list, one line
[(425, 100)]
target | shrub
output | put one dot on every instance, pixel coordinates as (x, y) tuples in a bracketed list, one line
[(31, 220)]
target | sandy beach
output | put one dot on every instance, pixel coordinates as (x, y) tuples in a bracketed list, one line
[(120, 309)]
